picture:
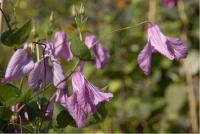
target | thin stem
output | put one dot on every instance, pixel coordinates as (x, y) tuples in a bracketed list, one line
[(130, 27), (21, 84), (6, 19), (125, 28), (37, 53)]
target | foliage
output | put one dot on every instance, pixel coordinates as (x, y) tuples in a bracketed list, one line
[(158, 103)]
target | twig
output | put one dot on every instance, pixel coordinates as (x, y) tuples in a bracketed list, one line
[(6, 19), (152, 11), (189, 80)]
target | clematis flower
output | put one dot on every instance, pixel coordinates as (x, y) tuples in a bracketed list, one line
[(101, 54), (20, 64), (41, 75), (62, 46), (172, 48), (170, 3), (85, 99)]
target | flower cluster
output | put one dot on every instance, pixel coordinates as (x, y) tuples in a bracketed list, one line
[(85, 98)]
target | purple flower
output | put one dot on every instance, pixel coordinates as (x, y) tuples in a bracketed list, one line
[(20, 64), (85, 99), (41, 75), (171, 48), (101, 54), (170, 3), (62, 46)]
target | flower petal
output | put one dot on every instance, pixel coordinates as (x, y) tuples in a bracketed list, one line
[(177, 47), (58, 75), (41, 75), (101, 56), (144, 59), (62, 96), (62, 46), (20, 64), (85, 98), (90, 41), (158, 41)]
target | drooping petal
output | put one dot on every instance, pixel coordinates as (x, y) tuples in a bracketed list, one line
[(101, 56), (20, 64), (62, 46), (79, 107), (85, 98), (58, 74), (90, 41), (62, 96), (144, 59), (177, 47), (158, 41), (41, 75)]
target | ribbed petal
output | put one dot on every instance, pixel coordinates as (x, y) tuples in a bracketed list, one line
[(101, 56), (62, 46), (58, 75), (177, 47), (62, 96), (158, 41), (41, 75), (90, 41), (144, 59), (20, 64), (86, 97)]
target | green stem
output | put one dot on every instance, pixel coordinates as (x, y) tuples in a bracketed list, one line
[(6, 19), (37, 52)]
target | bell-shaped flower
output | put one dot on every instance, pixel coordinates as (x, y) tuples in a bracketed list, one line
[(20, 64), (62, 46), (101, 54), (172, 48), (85, 99), (41, 75)]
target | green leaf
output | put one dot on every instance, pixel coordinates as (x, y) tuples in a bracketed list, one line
[(17, 36), (79, 49), (33, 110), (8, 92), (5, 113), (61, 117)]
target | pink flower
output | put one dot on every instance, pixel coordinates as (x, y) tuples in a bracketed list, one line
[(62, 46), (101, 54), (20, 64), (172, 48), (85, 98)]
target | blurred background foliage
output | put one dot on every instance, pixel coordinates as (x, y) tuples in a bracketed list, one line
[(158, 103)]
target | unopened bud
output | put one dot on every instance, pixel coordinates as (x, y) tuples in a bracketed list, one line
[(73, 10), (82, 9), (51, 18)]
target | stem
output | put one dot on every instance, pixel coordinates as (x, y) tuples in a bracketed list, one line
[(37, 52), (1, 6), (192, 101), (188, 75), (6, 19), (125, 28), (152, 11)]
